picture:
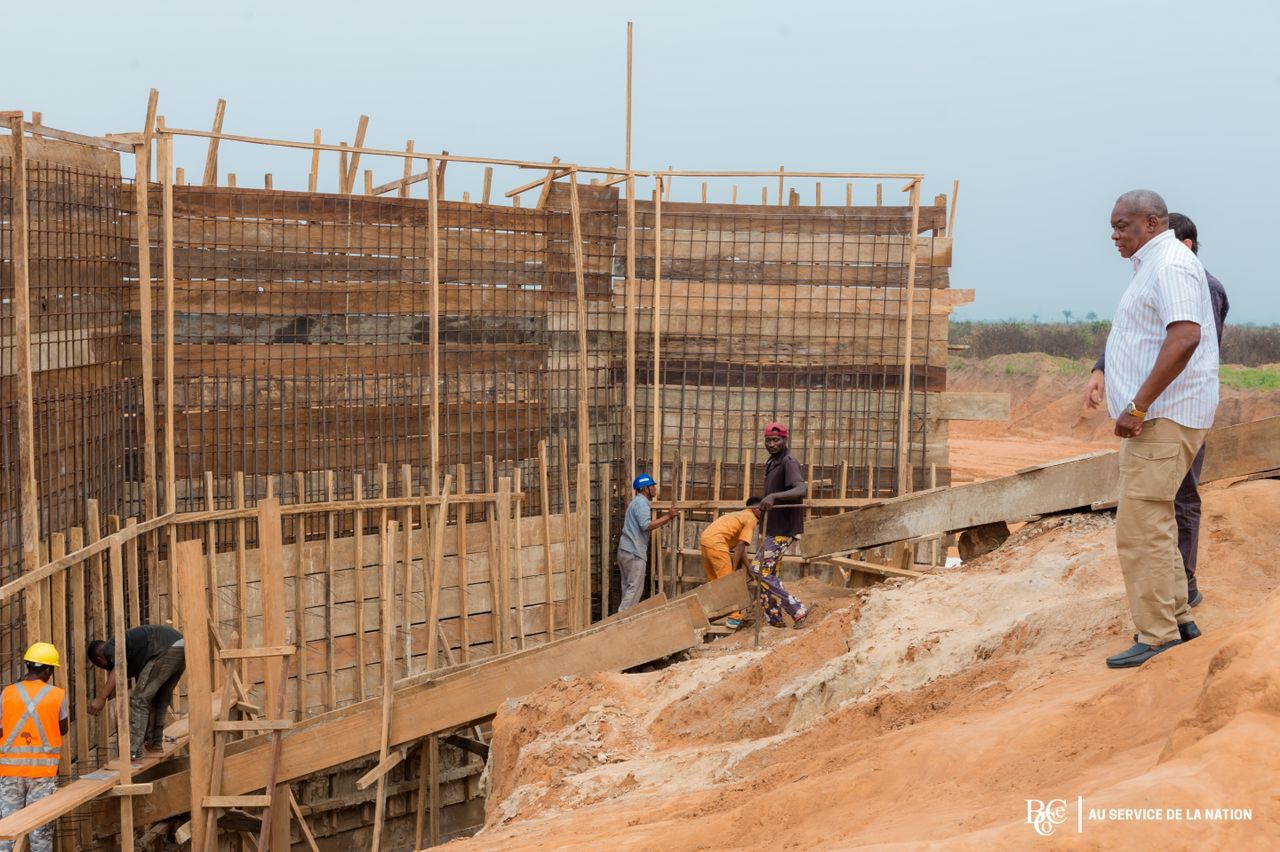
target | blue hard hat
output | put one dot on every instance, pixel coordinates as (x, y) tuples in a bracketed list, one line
[(644, 480)]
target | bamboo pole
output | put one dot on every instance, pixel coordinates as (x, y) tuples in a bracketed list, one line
[(29, 492), (904, 415)]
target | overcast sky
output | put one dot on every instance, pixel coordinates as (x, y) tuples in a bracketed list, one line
[(1044, 112)]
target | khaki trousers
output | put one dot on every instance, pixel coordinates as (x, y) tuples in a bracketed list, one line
[(1152, 467)]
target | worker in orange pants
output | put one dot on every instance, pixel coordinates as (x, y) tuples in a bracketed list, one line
[(724, 546)]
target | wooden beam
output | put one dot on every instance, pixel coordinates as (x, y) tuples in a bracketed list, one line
[(193, 594), (433, 213), (274, 633), (353, 168), (904, 411), (211, 162), (386, 625), (313, 178), (873, 568), (1058, 486), (436, 704)]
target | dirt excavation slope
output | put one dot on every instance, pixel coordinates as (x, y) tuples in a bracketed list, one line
[(929, 714)]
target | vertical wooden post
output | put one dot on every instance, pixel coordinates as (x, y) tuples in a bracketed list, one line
[(358, 536), (242, 578), (584, 546), (629, 416), (29, 493), (408, 170), (606, 534), (433, 773), (271, 568), (193, 601), (406, 561), (58, 632), (331, 651), (488, 185), (440, 517), (904, 415), (464, 626), (165, 167), (211, 159), (354, 167), (656, 457), (142, 231), (677, 572), (517, 546), (499, 554), (299, 598), (387, 624), (433, 189), (313, 179), (545, 495)]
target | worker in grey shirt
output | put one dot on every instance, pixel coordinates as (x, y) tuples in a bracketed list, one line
[(1186, 505), (633, 544)]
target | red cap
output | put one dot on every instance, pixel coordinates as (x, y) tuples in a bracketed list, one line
[(775, 428)]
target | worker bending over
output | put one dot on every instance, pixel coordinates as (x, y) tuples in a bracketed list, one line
[(724, 546), (155, 659), (33, 720)]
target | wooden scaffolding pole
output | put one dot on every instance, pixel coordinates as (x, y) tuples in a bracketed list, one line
[(386, 623), (434, 214), (584, 409), (904, 416), (29, 494), (141, 157), (211, 156), (193, 601), (274, 629)]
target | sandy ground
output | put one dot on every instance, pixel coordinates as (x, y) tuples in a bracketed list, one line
[(928, 714)]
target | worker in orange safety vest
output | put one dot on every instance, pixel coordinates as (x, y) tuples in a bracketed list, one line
[(33, 720)]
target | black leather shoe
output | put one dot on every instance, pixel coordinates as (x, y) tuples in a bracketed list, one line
[(1138, 654), (1195, 599)]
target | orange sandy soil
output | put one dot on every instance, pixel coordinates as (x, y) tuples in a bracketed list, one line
[(926, 714)]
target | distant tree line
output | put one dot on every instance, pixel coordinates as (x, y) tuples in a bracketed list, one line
[(1249, 345)]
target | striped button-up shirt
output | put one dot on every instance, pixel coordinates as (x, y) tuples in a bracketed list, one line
[(1168, 286)]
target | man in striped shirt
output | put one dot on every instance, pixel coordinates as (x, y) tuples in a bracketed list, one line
[(1186, 505), (1162, 390)]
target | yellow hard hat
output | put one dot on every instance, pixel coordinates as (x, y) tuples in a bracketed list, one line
[(42, 654)]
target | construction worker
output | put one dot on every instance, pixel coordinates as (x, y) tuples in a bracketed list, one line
[(33, 720), (784, 483), (724, 546), (633, 544), (155, 659)]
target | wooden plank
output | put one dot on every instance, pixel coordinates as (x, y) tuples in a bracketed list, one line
[(193, 600), (873, 568), (253, 725), (89, 786), (271, 567), (235, 801), (1241, 450), (387, 626), (1068, 484), (723, 595), (211, 179), (437, 704)]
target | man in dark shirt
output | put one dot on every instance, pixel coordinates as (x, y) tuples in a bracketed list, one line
[(1186, 505), (783, 483), (156, 659)]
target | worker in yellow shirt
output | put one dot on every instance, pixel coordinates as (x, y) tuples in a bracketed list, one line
[(724, 546), (33, 720)]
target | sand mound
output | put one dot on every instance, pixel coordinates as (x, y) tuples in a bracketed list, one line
[(928, 713)]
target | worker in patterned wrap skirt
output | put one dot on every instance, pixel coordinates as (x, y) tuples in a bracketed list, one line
[(33, 720), (783, 483)]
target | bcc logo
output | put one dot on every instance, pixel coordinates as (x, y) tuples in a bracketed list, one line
[(1046, 816)]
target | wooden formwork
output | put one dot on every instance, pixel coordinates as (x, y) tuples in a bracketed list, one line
[(355, 354)]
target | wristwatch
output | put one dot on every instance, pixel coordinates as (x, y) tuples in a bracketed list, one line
[(1134, 410)]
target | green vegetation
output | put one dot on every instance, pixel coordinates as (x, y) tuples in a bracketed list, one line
[(1250, 378), (1249, 345)]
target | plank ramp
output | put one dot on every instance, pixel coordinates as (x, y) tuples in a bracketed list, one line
[(1073, 483), (90, 786), (440, 702)]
